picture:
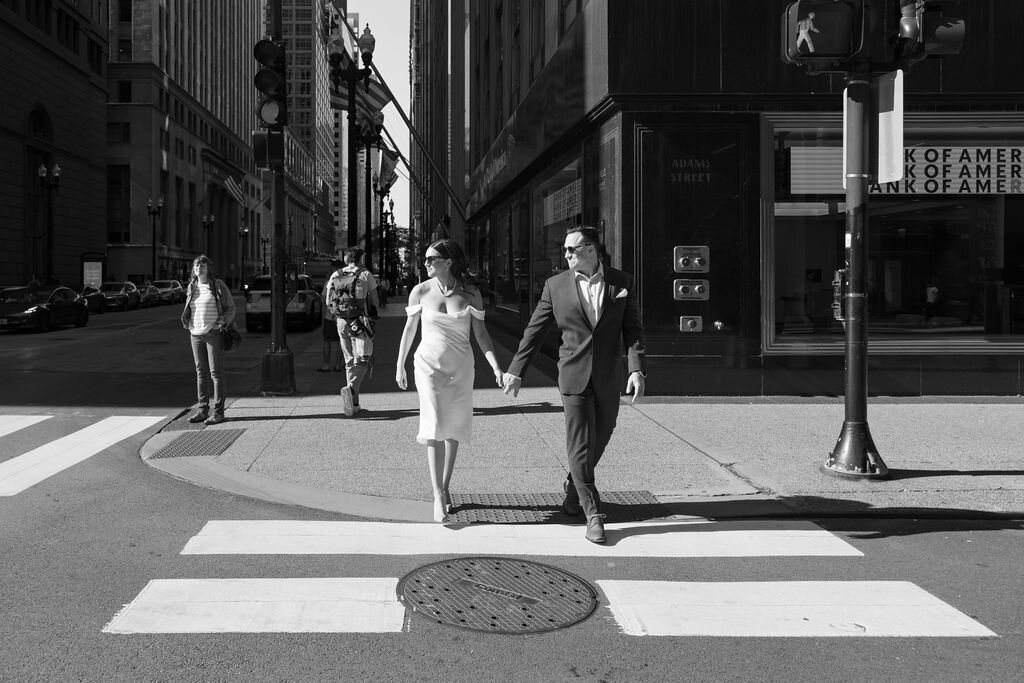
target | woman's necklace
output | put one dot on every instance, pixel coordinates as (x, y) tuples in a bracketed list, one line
[(446, 291)]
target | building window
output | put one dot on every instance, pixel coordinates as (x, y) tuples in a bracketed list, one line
[(95, 56), (118, 132), (945, 245), (67, 31), (119, 203), (39, 14), (124, 91), (124, 50), (13, 5), (124, 10)]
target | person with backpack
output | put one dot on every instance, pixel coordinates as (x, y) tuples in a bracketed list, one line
[(330, 347), (350, 292)]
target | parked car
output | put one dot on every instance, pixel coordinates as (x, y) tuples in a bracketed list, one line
[(42, 309), (93, 298), (171, 291), (149, 295), (302, 308), (120, 296)]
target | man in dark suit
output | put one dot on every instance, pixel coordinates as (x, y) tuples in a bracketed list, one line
[(596, 310)]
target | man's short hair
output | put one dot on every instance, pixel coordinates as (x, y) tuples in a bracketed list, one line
[(591, 235), (354, 253)]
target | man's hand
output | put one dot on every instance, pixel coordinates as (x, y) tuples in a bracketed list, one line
[(635, 386), (512, 384)]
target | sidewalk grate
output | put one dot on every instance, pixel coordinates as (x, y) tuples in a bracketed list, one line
[(209, 442), (536, 508), (497, 595)]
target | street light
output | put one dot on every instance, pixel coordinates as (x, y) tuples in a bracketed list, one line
[(49, 179), (264, 241), (154, 211), (344, 67), (242, 232), (207, 227)]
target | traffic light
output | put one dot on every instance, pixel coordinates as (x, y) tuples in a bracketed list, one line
[(826, 35), (924, 32), (272, 83)]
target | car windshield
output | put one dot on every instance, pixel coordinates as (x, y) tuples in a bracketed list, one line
[(111, 287), (22, 295), (163, 284), (261, 283)]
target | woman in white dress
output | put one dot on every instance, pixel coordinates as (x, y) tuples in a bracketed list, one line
[(448, 309)]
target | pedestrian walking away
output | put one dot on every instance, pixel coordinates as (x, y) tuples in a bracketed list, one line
[(596, 311), (448, 310), (209, 310), (331, 344), (350, 292)]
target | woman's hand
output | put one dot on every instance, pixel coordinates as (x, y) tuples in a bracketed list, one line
[(499, 378), (400, 379)]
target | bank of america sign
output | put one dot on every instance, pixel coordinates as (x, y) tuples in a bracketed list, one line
[(927, 171)]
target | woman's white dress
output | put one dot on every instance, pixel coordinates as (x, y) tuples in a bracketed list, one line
[(444, 373)]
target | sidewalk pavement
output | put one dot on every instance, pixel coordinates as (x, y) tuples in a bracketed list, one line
[(711, 457)]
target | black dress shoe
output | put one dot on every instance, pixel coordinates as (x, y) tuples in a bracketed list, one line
[(571, 504), (200, 416), (595, 529)]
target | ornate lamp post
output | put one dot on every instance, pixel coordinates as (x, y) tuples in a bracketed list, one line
[(154, 212), (264, 241), (49, 180), (207, 227), (243, 230), (345, 68)]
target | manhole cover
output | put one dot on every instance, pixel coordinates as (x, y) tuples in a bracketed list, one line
[(497, 595)]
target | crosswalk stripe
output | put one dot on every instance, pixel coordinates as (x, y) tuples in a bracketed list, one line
[(24, 471), (12, 423), (784, 609), (645, 539), (286, 605)]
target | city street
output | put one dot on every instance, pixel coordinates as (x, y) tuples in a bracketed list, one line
[(116, 571)]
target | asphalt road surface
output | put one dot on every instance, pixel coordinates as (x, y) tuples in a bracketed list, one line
[(109, 566)]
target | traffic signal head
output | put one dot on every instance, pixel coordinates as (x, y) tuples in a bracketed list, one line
[(827, 35), (924, 32), (270, 80)]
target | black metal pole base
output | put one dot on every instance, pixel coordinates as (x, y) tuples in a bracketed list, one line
[(278, 377), (855, 455)]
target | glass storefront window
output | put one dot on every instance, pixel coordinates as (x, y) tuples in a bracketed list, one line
[(557, 207), (945, 262)]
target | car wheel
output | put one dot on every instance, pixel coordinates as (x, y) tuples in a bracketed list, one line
[(45, 324), (251, 327), (83, 319)]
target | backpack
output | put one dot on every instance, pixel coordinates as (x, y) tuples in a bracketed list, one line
[(346, 294)]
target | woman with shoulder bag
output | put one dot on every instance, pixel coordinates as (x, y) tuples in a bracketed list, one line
[(209, 310)]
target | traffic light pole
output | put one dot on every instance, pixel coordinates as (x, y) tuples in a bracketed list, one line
[(855, 455), (278, 371)]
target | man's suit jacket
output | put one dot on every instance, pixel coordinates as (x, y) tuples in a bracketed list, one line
[(588, 353)]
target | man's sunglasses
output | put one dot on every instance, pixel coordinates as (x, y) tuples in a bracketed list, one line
[(575, 250)]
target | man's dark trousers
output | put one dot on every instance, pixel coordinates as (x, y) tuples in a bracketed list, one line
[(589, 423)]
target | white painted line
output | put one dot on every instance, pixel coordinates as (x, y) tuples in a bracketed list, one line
[(646, 539), (312, 605), (12, 423), (785, 609), (24, 471)]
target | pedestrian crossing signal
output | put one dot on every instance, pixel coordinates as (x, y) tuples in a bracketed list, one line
[(827, 35), (925, 32)]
